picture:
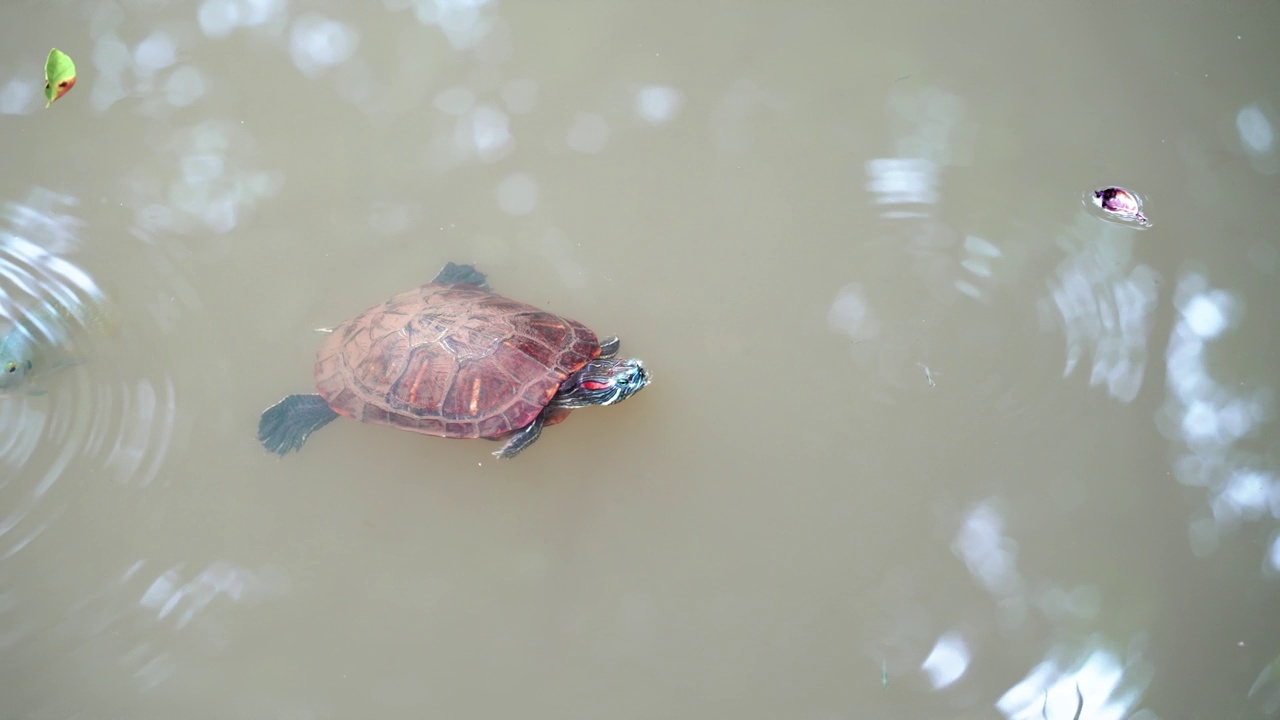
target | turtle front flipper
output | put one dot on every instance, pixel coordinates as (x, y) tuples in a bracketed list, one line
[(527, 435), (286, 425), (610, 346), (522, 438), (454, 274)]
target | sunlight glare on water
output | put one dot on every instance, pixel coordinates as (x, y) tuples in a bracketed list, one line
[(1104, 303), (1209, 421)]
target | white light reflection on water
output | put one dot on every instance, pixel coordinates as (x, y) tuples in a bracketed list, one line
[(851, 314), (321, 46), (1105, 303), (149, 72), (461, 21), (947, 661), (156, 52), (114, 629), (214, 181), (932, 131), (927, 126), (1211, 421), (982, 260), (931, 124), (1266, 688), (481, 131), (903, 186), (1050, 689), (1257, 133), (219, 18), (178, 600), (992, 558), (318, 43), (1111, 686), (485, 134), (658, 104), (19, 95)]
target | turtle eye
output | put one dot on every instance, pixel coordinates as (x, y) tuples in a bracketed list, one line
[(11, 367)]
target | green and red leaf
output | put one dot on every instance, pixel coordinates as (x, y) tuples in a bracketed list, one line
[(59, 75)]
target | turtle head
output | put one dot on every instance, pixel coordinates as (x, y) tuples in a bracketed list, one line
[(603, 381)]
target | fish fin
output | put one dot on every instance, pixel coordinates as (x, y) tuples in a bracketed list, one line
[(64, 364)]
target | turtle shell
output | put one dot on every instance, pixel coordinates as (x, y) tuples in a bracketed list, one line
[(451, 360)]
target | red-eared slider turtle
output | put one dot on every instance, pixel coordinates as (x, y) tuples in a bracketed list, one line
[(455, 360)]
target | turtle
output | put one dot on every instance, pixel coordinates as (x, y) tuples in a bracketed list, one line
[(1121, 203), (454, 359)]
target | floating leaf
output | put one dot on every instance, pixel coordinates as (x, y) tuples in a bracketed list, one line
[(59, 75)]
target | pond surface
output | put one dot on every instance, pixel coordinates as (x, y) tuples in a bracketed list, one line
[(930, 435)]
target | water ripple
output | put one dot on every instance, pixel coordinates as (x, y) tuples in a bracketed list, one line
[(84, 446), (71, 411), (1105, 304)]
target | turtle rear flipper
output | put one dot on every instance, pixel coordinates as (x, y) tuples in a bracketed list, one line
[(286, 425), (455, 274)]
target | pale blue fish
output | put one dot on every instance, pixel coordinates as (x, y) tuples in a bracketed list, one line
[(18, 357), (26, 350)]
